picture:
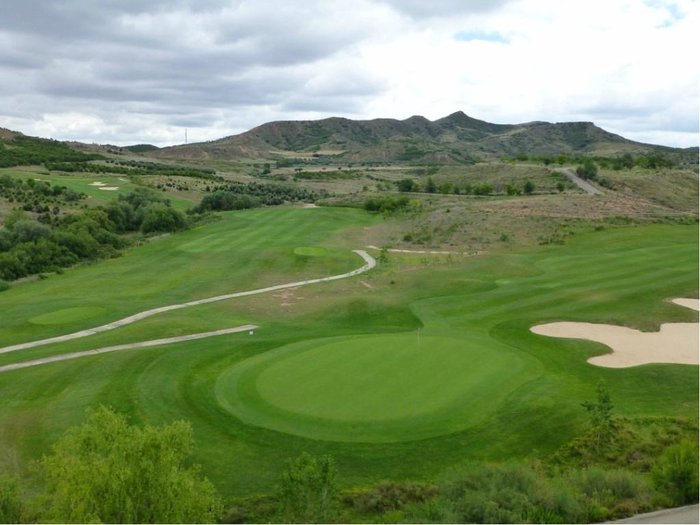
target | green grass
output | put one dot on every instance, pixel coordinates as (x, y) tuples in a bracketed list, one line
[(67, 315), (83, 183), (497, 391), (386, 388)]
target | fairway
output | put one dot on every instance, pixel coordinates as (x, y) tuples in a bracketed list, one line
[(417, 365), (395, 387)]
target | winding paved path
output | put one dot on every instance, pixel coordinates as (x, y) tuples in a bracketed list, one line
[(370, 263)]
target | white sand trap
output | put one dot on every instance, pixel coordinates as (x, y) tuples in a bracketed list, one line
[(693, 304), (673, 343), (108, 188), (97, 183)]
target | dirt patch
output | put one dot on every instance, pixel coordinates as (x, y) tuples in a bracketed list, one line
[(288, 297), (674, 343)]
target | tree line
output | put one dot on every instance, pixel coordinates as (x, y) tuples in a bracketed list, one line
[(132, 168), (625, 161), (28, 246), (29, 151), (484, 188), (239, 195)]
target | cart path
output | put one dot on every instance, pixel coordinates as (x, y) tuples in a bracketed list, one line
[(427, 252), (370, 263), (129, 346)]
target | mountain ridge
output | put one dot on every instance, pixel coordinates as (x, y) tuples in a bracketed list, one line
[(455, 138)]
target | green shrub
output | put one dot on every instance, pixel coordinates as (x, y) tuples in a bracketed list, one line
[(307, 492), (11, 507), (676, 473)]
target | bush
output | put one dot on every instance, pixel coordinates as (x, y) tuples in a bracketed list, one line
[(587, 170), (11, 507), (109, 471), (518, 493), (386, 204), (158, 217), (307, 493), (676, 473), (388, 496)]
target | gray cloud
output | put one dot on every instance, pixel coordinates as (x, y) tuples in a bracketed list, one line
[(438, 8), (123, 71)]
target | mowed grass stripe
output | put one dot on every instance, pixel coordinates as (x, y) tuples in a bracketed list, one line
[(537, 407), (160, 273), (617, 277)]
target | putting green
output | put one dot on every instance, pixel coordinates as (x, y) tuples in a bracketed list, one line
[(68, 315), (387, 388)]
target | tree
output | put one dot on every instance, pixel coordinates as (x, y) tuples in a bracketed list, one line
[(406, 185), (587, 170), (158, 217), (430, 186), (308, 493), (600, 413), (109, 471), (528, 187)]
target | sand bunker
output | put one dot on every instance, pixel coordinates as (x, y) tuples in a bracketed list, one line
[(96, 183), (673, 343), (108, 188)]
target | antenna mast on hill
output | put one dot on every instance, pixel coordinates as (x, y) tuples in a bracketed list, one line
[(185, 135)]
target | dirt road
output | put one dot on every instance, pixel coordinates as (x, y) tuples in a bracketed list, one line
[(584, 185)]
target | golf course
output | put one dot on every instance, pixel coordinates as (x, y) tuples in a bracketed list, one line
[(417, 365)]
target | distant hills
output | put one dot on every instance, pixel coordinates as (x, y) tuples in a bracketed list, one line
[(457, 138)]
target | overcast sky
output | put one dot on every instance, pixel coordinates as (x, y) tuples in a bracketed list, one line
[(142, 71)]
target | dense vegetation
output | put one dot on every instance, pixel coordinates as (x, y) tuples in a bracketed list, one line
[(483, 188), (29, 246), (651, 161), (134, 168), (26, 151), (238, 195), (107, 470)]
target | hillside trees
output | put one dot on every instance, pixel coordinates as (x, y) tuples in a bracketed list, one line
[(109, 471), (28, 246)]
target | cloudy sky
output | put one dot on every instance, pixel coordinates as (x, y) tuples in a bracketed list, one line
[(143, 71)]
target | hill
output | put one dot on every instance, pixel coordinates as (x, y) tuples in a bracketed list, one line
[(457, 138)]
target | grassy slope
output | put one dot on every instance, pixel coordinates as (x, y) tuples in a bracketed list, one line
[(620, 276), (83, 183)]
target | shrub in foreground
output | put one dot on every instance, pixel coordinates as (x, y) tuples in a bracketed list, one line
[(109, 471)]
